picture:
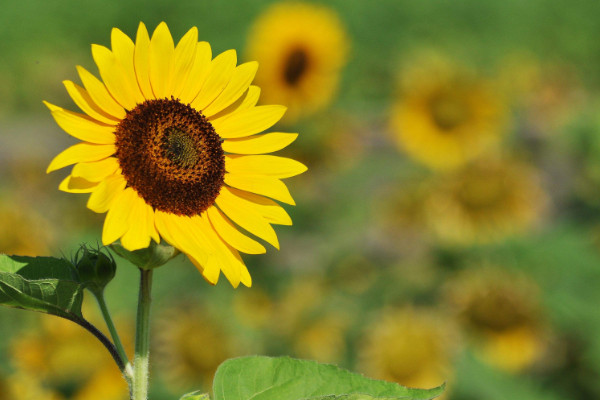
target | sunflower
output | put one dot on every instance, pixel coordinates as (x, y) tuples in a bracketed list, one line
[(486, 202), (408, 346), (169, 150), (501, 313), (445, 116), (301, 49)]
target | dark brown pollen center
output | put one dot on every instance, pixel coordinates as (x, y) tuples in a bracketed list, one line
[(296, 65), (171, 156)]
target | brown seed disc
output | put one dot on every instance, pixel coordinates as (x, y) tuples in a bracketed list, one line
[(171, 155), (295, 66)]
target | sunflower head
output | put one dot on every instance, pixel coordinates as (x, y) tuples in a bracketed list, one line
[(301, 48), (444, 115), (170, 150)]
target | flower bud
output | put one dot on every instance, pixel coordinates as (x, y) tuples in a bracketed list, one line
[(95, 268)]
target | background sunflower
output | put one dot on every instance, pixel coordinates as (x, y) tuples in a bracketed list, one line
[(378, 228)]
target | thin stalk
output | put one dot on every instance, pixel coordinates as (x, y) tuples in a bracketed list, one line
[(104, 340), (113, 333), (142, 338)]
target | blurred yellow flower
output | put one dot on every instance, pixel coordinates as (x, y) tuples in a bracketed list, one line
[(189, 346), (409, 346), (444, 116), (485, 202), (501, 313), (301, 49), (169, 150), (53, 354), (21, 386), (22, 230), (322, 339), (253, 308)]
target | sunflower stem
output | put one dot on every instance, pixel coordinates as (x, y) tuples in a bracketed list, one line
[(142, 338), (127, 372)]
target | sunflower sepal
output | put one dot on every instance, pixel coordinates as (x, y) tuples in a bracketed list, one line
[(153, 256), (95, 268)]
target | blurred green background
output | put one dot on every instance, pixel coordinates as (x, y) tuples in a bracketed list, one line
[(394, 267)]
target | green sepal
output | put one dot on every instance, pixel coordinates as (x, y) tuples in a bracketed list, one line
[(284, 378), (197, 395), (151, 257), (44, 284)]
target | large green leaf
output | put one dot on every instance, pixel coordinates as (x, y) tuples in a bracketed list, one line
[(284, 378), (42, 284)]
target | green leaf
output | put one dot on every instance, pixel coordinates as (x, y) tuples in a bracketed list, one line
[(42, 284), (198, 395), (284, 378)]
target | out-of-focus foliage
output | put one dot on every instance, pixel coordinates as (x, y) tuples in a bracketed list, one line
[(481, 271)]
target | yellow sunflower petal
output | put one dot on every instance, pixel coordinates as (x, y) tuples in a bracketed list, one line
[(248, 122), (81, 152), (104, 194), (141, 61), (95, 171), (178, 231), (274, 166), (246, 217), (117, 219), (210, 271), (259, 144), (260, 184), (162, 49), (185, 54), (219, 75), (83, 100), (99, 94), (231, 235), (248, 100), (141, 226), (197, 76), (77, 185), (267, 208), (114, 76), (239, 83), (123, 50), (245, 277), (81, 126)]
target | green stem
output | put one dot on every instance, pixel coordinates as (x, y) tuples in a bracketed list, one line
[(142, 338), (103, 339), (113, 333)]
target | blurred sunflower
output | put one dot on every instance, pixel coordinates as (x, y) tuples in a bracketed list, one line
[(485, 202), (22, 230), (409, 346), (53, 354), (444, 116), (21, 386), (301, 49), (500, 311), (189, 346), (168, 150), (322, 339)]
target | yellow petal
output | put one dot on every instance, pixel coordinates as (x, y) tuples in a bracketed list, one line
[(81, 126), (104, 194), (141, 225), (161, 59), (259, 144), (83, 100), (197, 76), (231, 235), (274, 166), (118, 217), (239, 83), (123, 50), (245, 216), (267, 208), (81, 152), (177, 231), (219, 75), (76, 185), (248, 100), (99, 94), (141, 61), (248, 122), (97, 170), (210, 271), (114, 77), (260, 184), (185, 54)]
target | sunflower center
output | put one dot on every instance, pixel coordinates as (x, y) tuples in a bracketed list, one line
[(171, 155), (449, 111), (295, 66)]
